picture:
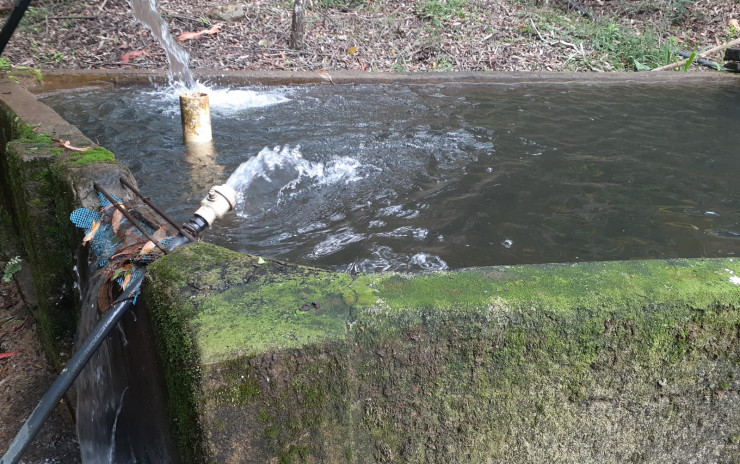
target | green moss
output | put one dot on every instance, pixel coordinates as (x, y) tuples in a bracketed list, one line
[(95, 155), (295, 454), (29, 134), (471, 357), (181, 365)]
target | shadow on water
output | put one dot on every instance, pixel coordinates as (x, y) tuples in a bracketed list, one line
[(428, 177)]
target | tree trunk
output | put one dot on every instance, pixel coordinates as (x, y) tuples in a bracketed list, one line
[(298, 27)]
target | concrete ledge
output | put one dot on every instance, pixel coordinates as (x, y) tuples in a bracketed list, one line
[(592, 362), (55, 79), (41, 183)]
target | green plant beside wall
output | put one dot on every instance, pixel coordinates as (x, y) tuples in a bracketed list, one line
[(11, 268)]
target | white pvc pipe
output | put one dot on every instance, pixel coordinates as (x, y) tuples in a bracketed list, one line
[(196, 117)]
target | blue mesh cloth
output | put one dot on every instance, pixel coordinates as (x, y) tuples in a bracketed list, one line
[(105, 242)]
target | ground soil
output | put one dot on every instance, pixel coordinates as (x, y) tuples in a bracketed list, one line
[(25, 374), (376, 35), (373, 36)]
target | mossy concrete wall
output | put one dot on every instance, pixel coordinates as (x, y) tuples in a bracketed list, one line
[(573, 363), (41, 184)]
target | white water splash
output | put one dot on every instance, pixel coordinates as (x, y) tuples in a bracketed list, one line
[(385, 259), (222, 101), (277, 173)]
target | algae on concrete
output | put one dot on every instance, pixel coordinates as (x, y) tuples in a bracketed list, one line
[(593, 362)]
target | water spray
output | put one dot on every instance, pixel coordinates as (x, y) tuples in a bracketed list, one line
[(220, 200)]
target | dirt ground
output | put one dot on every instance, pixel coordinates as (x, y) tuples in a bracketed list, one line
[(378, 35), (25, 374)]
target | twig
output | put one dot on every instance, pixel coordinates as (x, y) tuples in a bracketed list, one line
[(699, 55), (187, 18), (71, 17), (555, 42)]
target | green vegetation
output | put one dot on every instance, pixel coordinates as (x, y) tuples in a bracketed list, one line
[(343, 5), (95, 155), (478, 355), (441, 11), (599, 45), (11, 268)]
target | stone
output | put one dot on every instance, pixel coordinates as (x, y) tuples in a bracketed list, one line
[(229, 12), (732, 54)]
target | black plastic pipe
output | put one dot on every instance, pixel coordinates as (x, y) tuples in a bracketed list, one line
[(80, 359), (75, 365), (15, 17), (700, 61)]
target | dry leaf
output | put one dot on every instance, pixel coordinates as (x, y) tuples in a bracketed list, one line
[(734, 23), (126, 281), (116, 221), (127, 57), (90, 235), (196, 35), (351, 50), (148, 247), (7, 355), (105, 293), (129, 249), (160, 234)]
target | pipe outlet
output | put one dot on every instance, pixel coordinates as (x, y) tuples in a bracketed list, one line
[(196, 117), (220, 200)]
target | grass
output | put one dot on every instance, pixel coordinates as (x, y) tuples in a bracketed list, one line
[(441, 11), (605, 45)]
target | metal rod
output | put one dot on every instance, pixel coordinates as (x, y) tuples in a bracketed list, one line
[(156, 209), (130, 218)]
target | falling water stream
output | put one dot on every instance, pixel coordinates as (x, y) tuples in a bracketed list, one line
[(145, 11)]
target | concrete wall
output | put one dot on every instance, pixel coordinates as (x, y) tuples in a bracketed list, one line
[(578, 363), (41, 184)]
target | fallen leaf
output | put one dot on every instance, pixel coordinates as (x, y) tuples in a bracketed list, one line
[(351, 50), (160, 234), (196, 35), (734, 23), (116, 220), (7, 355), (148, 246), (105, 293), (125, 268), (126, 280), (127, 57), (93, 229), (127, 250)]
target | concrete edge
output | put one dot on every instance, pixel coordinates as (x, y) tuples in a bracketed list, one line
[(54, 79)]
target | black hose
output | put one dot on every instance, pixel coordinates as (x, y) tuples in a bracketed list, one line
[(15, 17), (701, 61), (75, 365), (80, 359)]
